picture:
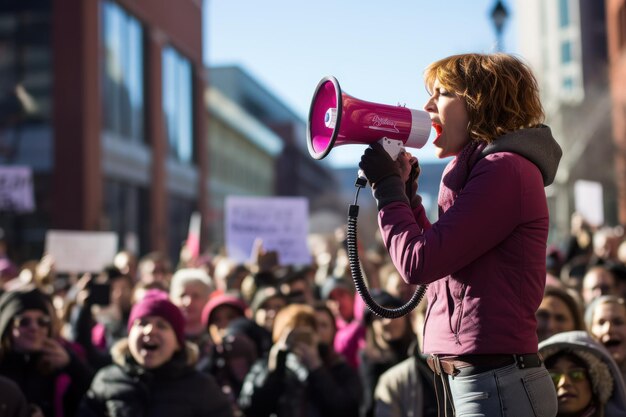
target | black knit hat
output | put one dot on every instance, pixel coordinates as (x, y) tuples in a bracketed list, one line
[(15, 302)]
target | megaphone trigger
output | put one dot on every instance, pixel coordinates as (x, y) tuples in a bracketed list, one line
[(393, 147)]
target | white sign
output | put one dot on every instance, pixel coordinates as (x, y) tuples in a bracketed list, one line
[(281, 222), (589, 202), (78, 251), (16, 189)]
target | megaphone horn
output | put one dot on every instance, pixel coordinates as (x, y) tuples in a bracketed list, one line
[(336, 118)]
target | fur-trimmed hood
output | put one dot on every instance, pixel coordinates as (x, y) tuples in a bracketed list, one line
[(120, 353), (606, 378)]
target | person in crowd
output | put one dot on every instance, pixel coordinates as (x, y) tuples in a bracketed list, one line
[(35, 358), (580, 241), (606, 321), (492, 229), (12, 400), (265, 305), (587, 381), (126, 261), (298, 285), (391, 281), (340, 297), (155, 267), (558, 312), (221, 310), (387, 343), (407, 389), (230, 360), (298, 378), (598, 281), (154, 373), (190, 290), (112, 318), (338, 294)]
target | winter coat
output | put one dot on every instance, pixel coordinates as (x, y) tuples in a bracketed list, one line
[(484, 259), (406, 390), (12, 400), (39, 387), (606, 381), (293, 391), (124, 389)]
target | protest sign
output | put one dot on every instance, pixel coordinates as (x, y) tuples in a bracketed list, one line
[(281, 222), (78, 251), (16, 189), (589, 202)]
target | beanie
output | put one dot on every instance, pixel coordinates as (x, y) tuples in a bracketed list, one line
[(156, 303), (14, 302), (221, 300)]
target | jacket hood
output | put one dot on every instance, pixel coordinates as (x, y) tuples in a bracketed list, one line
[(606, 377), (535, 144)]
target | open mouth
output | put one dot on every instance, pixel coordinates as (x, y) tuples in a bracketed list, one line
[(438, 129), (612, 343), (149, 346)]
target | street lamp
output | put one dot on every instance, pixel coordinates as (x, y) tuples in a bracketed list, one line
[(499, 15)]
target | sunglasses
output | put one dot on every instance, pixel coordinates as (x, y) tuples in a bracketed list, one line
[(22, 321), (574, 375)]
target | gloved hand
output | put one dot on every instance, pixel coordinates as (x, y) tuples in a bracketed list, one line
[(384, 174), (410, 187), (377, 164)]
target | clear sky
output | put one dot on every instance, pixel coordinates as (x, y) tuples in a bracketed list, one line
[(377, 50)]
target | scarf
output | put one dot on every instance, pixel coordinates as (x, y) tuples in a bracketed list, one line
[(457, 173)]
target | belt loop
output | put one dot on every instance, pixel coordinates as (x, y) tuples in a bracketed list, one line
[(519, 360), (437, 364)]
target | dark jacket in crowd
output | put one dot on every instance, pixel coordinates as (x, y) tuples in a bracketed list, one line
[(12, 401), (39, 384), (292, 391), (125, 389)]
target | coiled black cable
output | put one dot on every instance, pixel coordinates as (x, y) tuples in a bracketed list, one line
[(357, 275)]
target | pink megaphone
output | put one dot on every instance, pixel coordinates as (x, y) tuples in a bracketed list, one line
[(336, 118)]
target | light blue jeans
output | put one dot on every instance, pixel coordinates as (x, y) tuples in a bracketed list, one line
[(505, 392)]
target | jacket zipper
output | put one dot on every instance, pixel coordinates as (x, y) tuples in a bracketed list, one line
[(459, 317)]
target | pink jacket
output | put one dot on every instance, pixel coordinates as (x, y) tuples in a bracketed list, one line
[(484, 259)]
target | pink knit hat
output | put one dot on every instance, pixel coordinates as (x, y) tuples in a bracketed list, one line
[(156, 303), (221, 300)]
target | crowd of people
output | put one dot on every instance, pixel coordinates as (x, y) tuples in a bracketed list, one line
[(511, 327), (211, 337)]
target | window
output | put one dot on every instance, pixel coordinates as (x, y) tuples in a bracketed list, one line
[(564, 13), (566, 52), (122, 83), (178, 104), (568, 84)]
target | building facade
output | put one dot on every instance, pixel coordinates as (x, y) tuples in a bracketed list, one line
[(242, 155), (616, 31), (117, 141), (565, 42), (296, 173)]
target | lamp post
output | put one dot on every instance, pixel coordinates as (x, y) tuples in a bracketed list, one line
[(499, 15)]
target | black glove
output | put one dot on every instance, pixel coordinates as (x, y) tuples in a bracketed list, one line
[(377, 164), (410, 187)]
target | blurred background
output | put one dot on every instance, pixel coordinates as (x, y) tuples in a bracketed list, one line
[(128, 116)]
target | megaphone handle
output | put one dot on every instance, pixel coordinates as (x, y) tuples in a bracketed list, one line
[(393, 148)]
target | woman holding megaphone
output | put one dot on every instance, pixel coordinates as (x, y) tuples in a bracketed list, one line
[(484, 258)]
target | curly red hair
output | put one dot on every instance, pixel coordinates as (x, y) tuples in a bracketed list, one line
[(500, 92)]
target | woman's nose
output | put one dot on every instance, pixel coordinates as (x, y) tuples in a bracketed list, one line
[(429, 106)]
